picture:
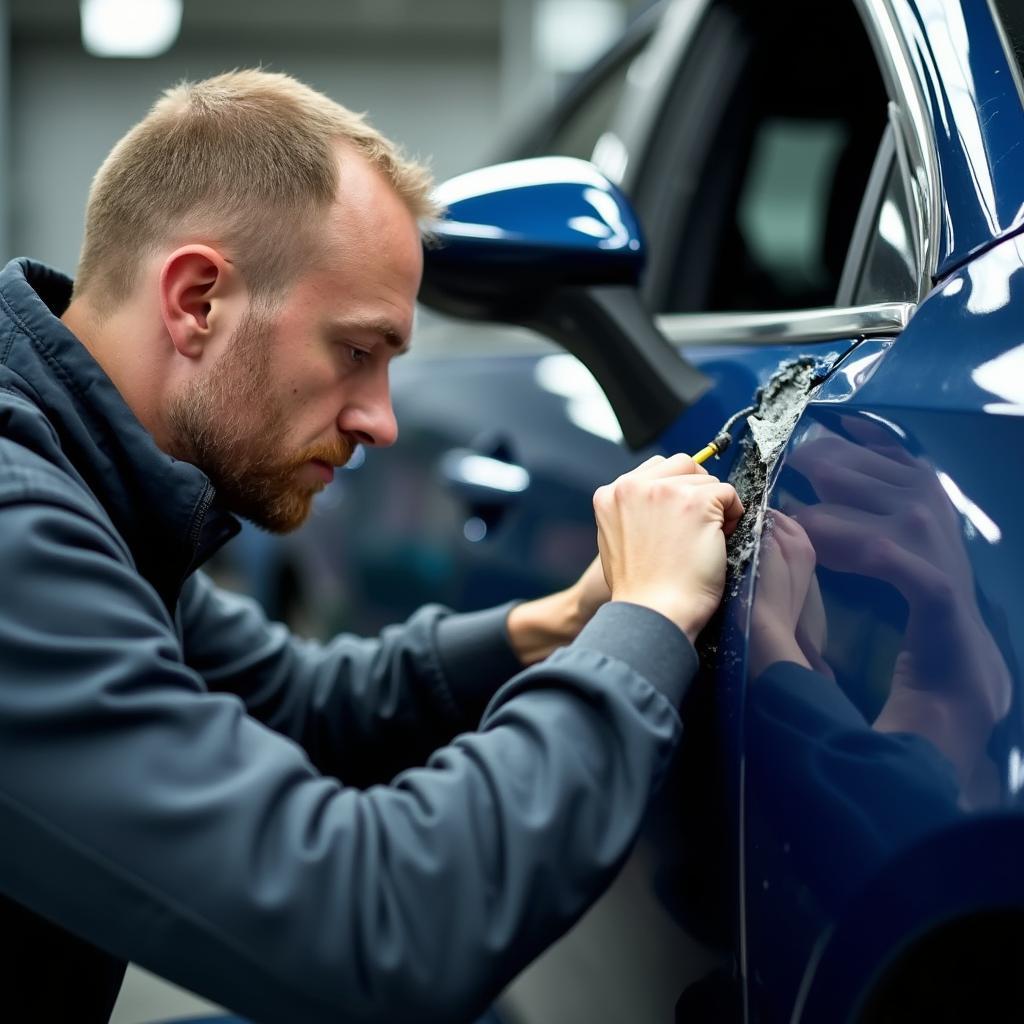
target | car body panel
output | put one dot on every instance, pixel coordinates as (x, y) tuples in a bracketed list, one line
[(918, 547), (977, 122)]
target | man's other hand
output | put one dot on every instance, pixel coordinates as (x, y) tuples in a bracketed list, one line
[(661, 534), (536, 628)]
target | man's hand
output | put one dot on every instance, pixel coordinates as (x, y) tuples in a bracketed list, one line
[(536, 628), (661, 534)]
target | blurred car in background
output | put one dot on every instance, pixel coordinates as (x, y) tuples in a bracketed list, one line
[(833, 198)]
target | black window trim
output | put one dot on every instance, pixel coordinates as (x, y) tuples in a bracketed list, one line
[(867, 217), (1008, 51)]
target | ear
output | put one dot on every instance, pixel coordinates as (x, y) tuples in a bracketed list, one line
[(195, 282)]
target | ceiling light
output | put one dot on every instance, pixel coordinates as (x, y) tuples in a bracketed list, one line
[(570, 34), (129, 28)]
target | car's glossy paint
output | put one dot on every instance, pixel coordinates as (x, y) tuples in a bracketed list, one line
[(977, 122), (894, 473), (539, 220)]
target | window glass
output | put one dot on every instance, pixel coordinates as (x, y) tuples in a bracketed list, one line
[(889, 273), (784, 202), (769, 139)]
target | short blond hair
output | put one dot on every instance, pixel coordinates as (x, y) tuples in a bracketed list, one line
[(248, 159)]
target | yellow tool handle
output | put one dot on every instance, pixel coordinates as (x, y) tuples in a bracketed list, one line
[(705, 453)]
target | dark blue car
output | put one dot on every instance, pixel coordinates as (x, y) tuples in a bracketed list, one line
[(833, 203)]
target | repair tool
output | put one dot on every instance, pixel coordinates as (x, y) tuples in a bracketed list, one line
[(723, 438)]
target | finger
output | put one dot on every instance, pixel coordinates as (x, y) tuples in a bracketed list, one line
[(679, 464), (780, 521), (813, 622), (646, 465), (850, 483), (732, 507), (926, 587), (696, 479), (795, 545)]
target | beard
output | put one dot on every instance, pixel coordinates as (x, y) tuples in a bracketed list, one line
[(231, 426)]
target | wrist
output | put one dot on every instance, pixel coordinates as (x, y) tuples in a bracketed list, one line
[(688, 617), (539, 627)]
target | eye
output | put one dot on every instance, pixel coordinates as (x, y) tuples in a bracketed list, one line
[(358, 355)]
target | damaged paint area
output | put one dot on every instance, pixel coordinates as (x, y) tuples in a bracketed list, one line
[(779, 405)]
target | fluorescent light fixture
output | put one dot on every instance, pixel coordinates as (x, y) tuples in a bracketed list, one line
[(569, 34), (129, 28)]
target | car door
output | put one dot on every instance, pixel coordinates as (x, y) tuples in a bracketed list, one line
[(749, 146), (882, 725), (776, 160), (762, 179)]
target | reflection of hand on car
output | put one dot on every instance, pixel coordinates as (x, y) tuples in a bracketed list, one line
[(884, 514), (661, 533), (786, 621)]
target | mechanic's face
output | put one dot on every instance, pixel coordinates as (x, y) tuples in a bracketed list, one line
[(300, 386)]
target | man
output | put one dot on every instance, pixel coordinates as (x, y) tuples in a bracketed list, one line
[(371, 830)]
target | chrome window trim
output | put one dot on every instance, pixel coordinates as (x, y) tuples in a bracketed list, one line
[(911, 118), (802, 326)]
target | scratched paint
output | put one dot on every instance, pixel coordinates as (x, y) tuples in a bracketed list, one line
[(781, 402)]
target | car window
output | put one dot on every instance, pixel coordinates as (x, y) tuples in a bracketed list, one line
[(889, 271), (784, 201), (755, 204)]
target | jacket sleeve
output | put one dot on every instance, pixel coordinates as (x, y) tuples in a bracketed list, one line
[(162, 823), (363, 709)]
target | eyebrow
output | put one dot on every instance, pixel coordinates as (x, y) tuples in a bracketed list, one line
[(382, 326)]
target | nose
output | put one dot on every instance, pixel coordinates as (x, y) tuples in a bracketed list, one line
[(369, 417)]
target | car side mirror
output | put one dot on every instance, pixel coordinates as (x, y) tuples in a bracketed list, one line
[(551, 244)]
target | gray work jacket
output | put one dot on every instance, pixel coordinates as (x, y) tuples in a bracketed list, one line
[(368, 830)]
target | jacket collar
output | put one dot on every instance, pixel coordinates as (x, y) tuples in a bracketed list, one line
[(165, 509)]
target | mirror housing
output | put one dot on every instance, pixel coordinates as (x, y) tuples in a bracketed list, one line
[(551, 244)]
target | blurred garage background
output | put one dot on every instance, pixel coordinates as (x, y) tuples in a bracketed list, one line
[(448, 79)]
